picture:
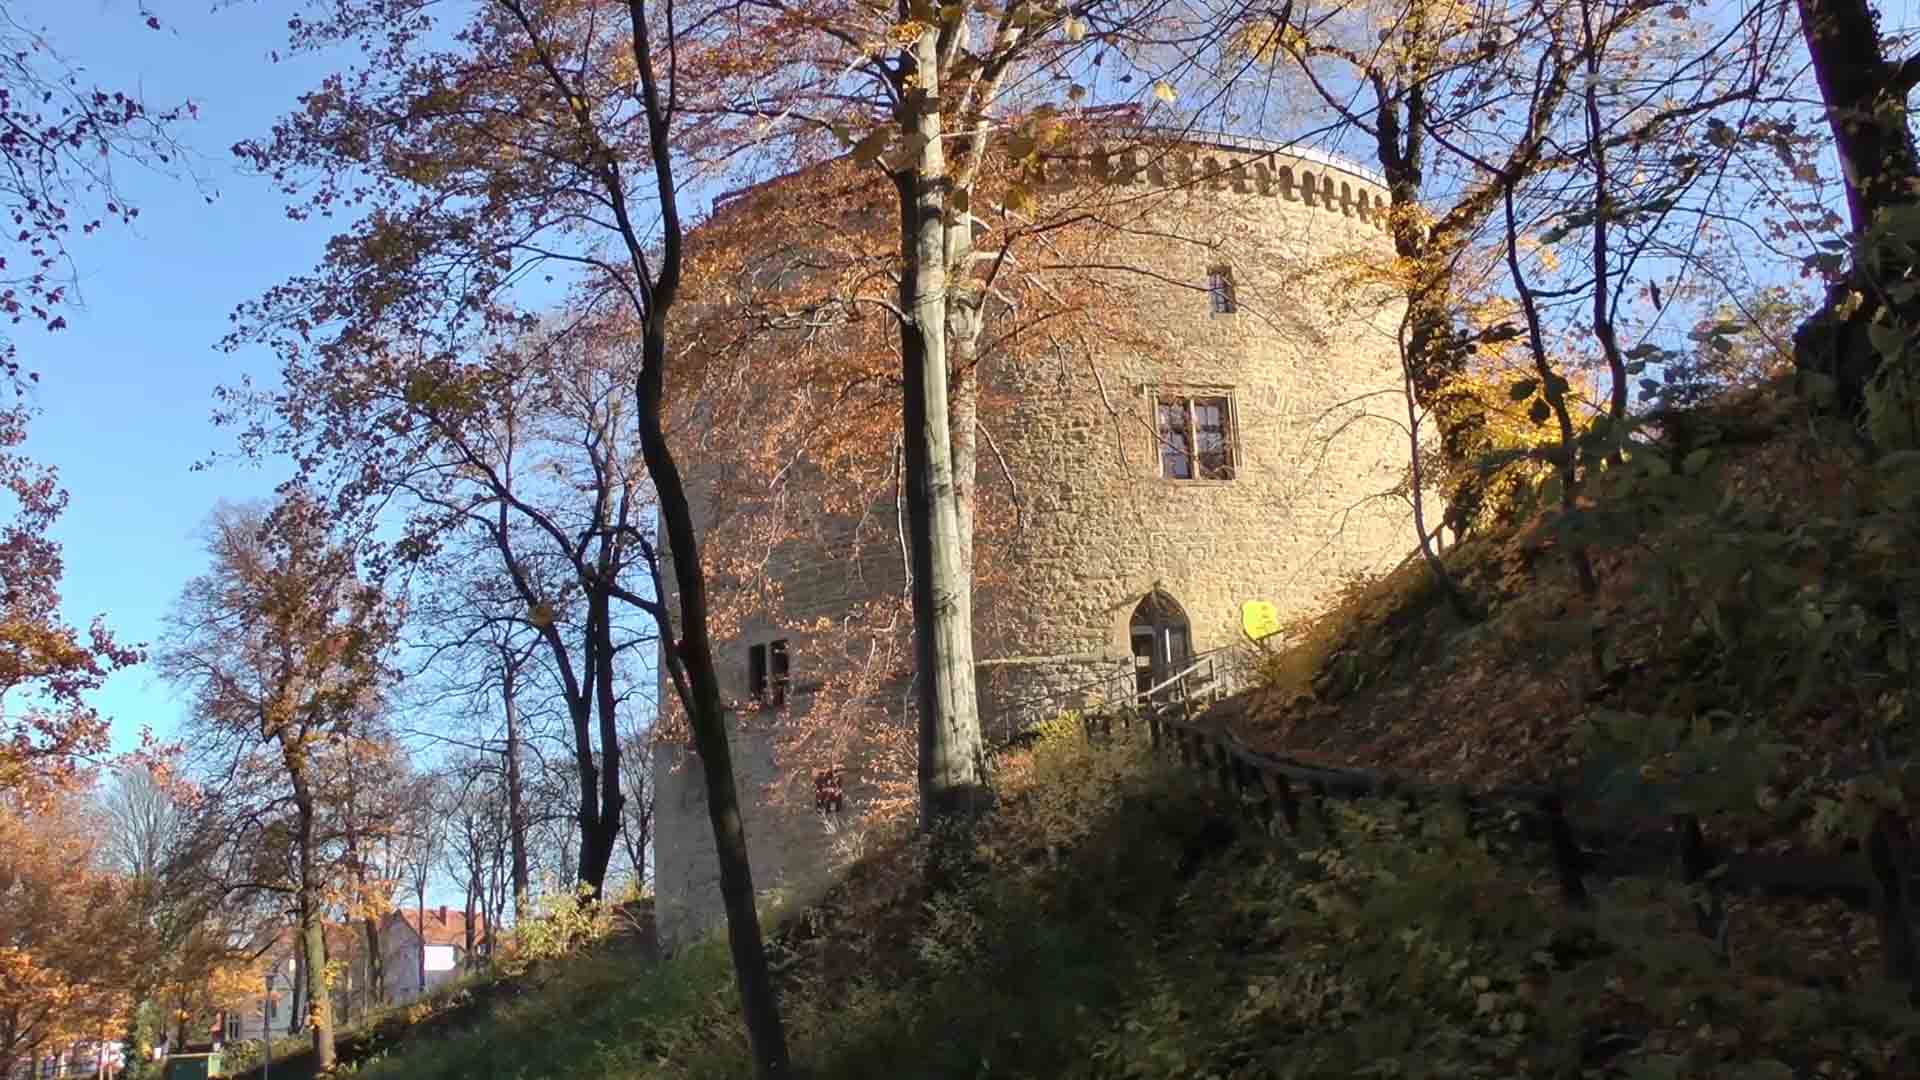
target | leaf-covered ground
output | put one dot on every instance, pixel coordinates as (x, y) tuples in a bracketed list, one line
[(1746, 652)]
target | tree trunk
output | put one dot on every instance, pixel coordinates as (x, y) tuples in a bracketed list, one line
[(693, 653), (296, 995), (599, 838), (516, 800), (473, 890), (965, 317), (690, 659), (420, 895), (319, 1001), (1866, 100), (312, 933), (951, 754), (376, 964), (586, 775)]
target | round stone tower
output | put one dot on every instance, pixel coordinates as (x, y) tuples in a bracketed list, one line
[(1239, 435)]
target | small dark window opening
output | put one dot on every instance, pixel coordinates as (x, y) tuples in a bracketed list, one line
[(767, 672), (1196, 438), (828, 797), (777, 654), (1220, 291)]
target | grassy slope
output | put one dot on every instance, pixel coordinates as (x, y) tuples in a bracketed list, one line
[(1126, 924)]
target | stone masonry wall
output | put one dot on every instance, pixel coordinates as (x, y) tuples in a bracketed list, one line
[(1310, 364)]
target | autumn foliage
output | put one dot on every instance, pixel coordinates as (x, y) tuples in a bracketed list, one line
[(46, 666), (68, 935)]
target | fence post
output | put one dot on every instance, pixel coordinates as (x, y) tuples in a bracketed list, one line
[(1887, 849), (1321, 815), (1289, 806), (1709, 914), (1566, 851)]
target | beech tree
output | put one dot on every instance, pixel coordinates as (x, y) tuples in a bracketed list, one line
[(281, 645), (540, 141)]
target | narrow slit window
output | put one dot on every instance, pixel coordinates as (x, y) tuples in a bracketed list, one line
[(767, 672), (777, 661), (1196, 438), (1220, 291)]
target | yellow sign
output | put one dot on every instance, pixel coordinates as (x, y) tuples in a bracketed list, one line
[(1259, 619)]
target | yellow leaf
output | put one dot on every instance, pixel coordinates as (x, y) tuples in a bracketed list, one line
[(1163, 90), (1073, 28)]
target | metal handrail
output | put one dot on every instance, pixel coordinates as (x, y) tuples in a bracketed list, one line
[(1027, 708), (1058, 695)]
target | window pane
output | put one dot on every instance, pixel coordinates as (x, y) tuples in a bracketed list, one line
[(1176, 456), (1211, 430), (1220, 290), (1179, 648), (757, 670)]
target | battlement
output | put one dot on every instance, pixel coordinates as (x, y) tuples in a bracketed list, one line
[(1203, 160), (1317, 181)]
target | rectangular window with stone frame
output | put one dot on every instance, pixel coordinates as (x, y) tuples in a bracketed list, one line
[(1196, 436)]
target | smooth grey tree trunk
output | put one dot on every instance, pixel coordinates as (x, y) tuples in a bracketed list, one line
[(951, 754)]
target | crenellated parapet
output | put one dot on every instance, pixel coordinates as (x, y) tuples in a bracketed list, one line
[(1269, 173)]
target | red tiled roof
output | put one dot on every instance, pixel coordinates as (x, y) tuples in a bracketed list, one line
[(444, 926)]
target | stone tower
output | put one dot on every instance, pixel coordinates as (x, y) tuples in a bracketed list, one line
[(1246, 440)]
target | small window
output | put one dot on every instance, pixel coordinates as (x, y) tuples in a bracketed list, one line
[(828, 797), (767, 672), (1220, 291), (1196, 438)]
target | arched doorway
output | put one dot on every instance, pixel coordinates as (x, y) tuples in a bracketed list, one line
[(1162, 641)]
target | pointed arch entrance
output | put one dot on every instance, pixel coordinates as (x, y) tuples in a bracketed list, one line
[(1162, 640)]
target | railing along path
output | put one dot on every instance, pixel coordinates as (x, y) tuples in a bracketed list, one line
[(1277, 791)]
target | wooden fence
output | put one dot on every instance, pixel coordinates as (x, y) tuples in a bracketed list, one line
[(1278, 792)]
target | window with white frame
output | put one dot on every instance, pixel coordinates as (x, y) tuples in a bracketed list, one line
[(1196, 436)]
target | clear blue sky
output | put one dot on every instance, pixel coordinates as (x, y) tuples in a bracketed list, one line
[(126, 392)]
